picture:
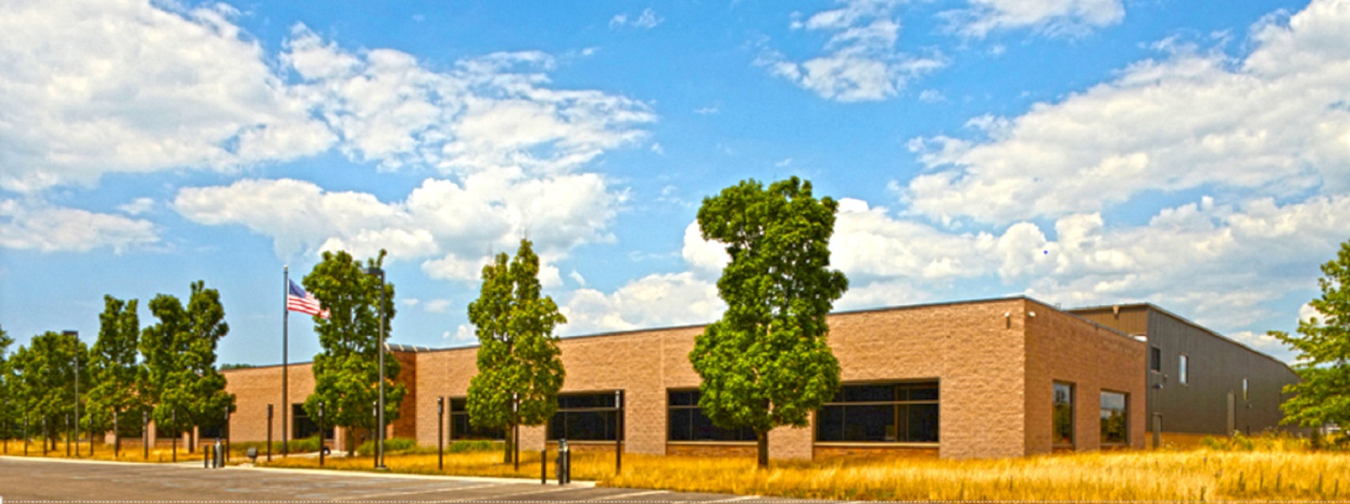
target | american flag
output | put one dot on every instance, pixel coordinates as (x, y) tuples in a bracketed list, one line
[(299, 300)]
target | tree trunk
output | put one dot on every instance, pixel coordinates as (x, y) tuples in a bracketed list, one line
[(510, 441), (351, 441), (762, 445)]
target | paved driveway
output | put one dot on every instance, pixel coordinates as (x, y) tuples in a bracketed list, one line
[(28, 480)]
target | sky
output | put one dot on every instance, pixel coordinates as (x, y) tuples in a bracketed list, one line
[(1195, 155)]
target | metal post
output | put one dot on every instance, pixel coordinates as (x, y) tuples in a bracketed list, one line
[(618, 431), (177, 435), (67, 435), (269, 432), (117, 438), (515, 429), (543, 465), (76, 361), (227, 434), (375, 413), (145, 435), (285, 326), (320, 433), (25, 435), (440, 433), (379, 448), (44, 436)]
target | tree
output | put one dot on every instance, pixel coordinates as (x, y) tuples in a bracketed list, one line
[(346, 372), (46, 379), (1323, 347), (766, 362), (116, 375), (518, 354), (180, 361), (8, 404)]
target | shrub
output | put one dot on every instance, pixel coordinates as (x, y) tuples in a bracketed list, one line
[(392, 445)]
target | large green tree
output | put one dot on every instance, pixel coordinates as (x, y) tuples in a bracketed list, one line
[(346, 371), (1323, 347), (46, 380), (766, 362), (116, 374), (179, 352), (518, 354)]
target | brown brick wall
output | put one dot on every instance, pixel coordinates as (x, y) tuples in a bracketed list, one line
[(254, 389), (711, 450), (824, 452), (972, 351), (979, 357), (1065, 348)]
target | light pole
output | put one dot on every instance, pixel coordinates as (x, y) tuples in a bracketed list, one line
[(75, 361), (379, 413)]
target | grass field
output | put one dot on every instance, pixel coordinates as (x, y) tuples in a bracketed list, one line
[(128, 453), (1241, 469)]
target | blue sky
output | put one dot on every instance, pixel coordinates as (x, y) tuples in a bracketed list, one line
[(1083, 152)]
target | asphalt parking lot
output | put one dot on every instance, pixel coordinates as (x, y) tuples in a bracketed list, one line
[(25, 480)]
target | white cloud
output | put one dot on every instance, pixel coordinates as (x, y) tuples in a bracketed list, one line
[(1264, 343), (41, 227), (646, 20), (137, 206), (1274, 123), (451, 227), (576, 277), (861, 62), (123, 86), (661, 300), (437, 306), (1051, 17), (487, 113)]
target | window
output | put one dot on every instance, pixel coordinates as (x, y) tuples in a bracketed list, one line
[(1155, 359), (585, 417), (302, 426), (884, 412), (1181, 369), (687, 422), (461, 428), (1115, 418), (1062, 430)]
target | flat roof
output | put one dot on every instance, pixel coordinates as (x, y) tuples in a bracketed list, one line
[(1184, 320)]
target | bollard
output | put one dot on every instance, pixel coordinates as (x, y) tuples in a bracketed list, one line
[(219, 451), (543, 466), (206, 457), (564, 463)]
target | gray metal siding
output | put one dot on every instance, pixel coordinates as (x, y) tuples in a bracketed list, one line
[(1217, 367)]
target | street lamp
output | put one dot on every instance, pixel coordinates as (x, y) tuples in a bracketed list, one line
[(75, 361), (379, 414)]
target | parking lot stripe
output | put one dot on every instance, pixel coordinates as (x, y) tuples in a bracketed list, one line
[(415, 492)]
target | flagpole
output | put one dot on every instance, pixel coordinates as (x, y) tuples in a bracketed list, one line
[(285, 383)]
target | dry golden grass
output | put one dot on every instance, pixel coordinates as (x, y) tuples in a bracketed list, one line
[(1160, 475), (1270, 472), (105, 452)]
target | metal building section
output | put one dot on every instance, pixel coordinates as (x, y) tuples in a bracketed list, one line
[(1200, 383)]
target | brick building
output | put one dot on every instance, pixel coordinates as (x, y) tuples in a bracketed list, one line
[(988, 378)]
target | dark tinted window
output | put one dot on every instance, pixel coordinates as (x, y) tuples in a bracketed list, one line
[(462, 428), (585, 417), (889, 412), (687, 422)]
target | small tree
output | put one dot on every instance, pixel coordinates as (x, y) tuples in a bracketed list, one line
[(46, 379), (180, 361), (518, 354), (1323, 347), (766, 362), (347, 372), (113, 365)]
